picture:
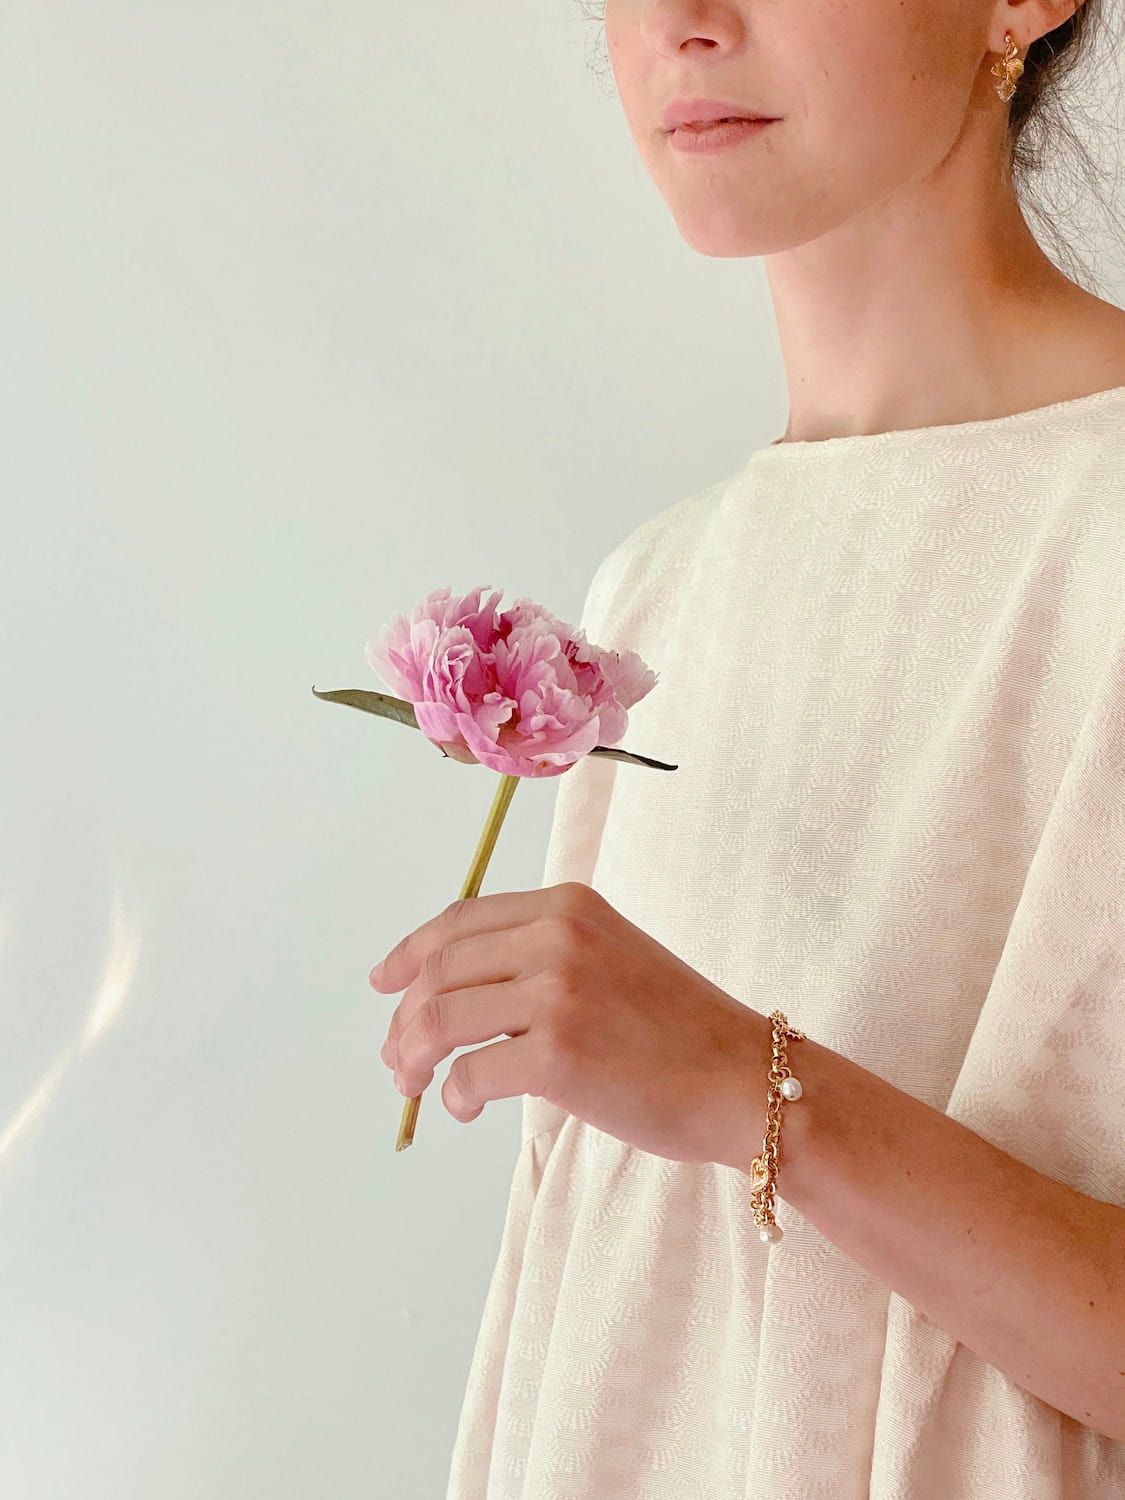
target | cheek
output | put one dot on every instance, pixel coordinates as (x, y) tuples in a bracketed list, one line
[(875, 122), (640, 89), (871, 64)]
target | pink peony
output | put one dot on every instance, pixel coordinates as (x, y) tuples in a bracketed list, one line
[(520, 692)]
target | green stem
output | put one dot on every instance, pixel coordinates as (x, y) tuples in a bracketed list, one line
[(500, 802)]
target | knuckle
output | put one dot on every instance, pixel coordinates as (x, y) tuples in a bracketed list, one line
[(567, 929), (403, 1049), (393, 1033), (559, 1022), (456, 1091), (432, 1018), (588, 897), (558, 981), (432, 966), (573, 895)]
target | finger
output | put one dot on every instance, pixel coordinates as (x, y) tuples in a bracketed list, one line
[(470, 914), (458, 1018), (503, 1070), (481, 959)]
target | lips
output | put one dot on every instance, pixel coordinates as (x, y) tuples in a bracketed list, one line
[(708, 139), (685, 112), (696, 126)]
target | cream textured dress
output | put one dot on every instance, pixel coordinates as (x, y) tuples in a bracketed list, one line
[(892, 674)]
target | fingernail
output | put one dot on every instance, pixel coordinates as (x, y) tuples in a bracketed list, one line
[(377, 973)]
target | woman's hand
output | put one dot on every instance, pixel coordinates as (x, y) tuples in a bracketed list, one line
[(603, 1021)]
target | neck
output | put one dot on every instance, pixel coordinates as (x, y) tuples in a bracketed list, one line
[(917, 314)]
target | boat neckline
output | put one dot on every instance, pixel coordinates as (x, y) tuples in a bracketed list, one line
[(982, 427)]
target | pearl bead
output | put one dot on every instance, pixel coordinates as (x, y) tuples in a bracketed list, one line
[(769, 1234), (791, 1089)]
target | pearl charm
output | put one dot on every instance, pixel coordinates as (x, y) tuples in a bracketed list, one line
[(769, 1234), (791, 1089)]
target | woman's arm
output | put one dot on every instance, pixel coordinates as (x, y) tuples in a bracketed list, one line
[(1025, 1271)]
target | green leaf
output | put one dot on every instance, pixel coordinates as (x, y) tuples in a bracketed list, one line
[(613, 753), (402, 712), (398, 709)]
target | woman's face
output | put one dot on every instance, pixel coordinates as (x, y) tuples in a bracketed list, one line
[(869, 97)]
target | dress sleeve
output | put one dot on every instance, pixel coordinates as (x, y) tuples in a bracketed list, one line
[(1044, 1074), (1043, 1079)]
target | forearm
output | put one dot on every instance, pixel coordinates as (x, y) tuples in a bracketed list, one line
[(1025, 1271)]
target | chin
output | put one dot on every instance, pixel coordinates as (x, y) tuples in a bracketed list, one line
[(730, 240), (725, 227)]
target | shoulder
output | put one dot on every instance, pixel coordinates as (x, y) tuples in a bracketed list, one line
[(645, 566)]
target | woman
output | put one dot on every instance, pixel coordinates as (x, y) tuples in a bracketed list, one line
[(891, 652)]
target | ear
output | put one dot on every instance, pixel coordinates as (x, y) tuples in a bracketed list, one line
[(1028, 21)]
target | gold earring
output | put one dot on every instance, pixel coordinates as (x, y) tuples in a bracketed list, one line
[(1009, 68)]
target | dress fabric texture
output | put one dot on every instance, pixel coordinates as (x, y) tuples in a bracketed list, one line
[(892, 675)]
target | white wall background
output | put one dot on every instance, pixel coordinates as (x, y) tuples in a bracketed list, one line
[(307, 308)]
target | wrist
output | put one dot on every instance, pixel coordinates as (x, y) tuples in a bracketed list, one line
[(751, 1132), (749, 1095)]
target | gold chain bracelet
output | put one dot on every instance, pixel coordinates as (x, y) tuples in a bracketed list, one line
[(763, 1169)]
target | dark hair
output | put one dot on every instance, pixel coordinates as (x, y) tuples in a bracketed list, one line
[(1040, 122), (1048, 61), (1040, 115)]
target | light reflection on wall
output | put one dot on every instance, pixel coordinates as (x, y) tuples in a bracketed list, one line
[(120, 966)]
